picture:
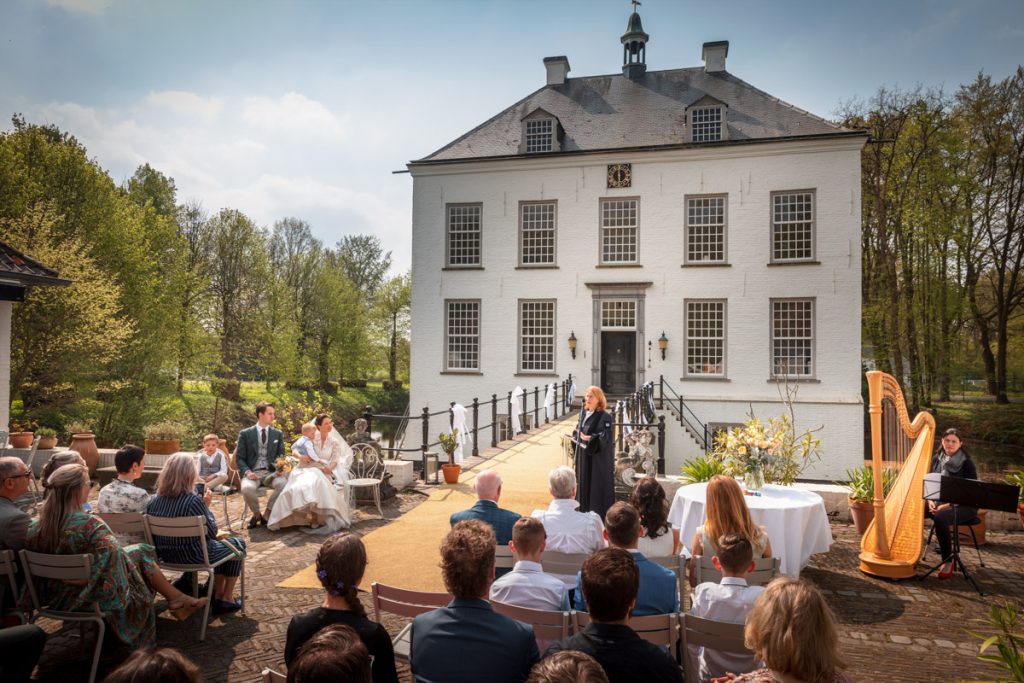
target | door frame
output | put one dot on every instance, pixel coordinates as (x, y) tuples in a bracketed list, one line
[(631, 291)]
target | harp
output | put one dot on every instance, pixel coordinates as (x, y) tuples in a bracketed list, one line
[(892, 544)]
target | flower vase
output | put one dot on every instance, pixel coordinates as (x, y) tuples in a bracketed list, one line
[(754, 479)]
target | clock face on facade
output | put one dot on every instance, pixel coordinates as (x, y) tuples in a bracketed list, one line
[(620, 175)]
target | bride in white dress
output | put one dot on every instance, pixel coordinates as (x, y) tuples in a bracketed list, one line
[(310, 498)]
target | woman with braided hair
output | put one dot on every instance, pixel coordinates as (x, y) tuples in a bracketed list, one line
[(340, 565)]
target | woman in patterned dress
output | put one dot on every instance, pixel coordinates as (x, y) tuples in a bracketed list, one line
[(176, 497), (121, 579)]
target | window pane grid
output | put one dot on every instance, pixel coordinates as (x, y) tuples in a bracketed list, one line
[(464, 235), (793, 226), (618, 315), (463, 325), (537, 223), (705, 337), (707, 124), (618, 230), (537, 342), (705, 229), (793, 338), (538, 135)]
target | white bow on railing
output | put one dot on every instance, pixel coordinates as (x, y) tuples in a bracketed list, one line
[(459, 423), (549, 401), (570, 395), (516, 409)]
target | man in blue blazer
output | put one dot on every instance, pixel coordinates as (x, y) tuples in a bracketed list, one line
[(467, 642), (488, 491), (657, 593), (256, 456)]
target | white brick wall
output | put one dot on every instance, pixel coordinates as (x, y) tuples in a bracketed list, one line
[(661, 180)]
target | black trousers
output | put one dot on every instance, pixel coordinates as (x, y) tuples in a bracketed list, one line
[(20, 648), (944, 526)]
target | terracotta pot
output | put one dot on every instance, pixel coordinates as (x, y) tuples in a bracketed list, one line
[(21, 439), (47, 442), (85, 445), (451, 473), (979, 530), (862, 512), (162, 446)]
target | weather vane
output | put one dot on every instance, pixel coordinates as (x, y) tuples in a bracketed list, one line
[(636, 3)]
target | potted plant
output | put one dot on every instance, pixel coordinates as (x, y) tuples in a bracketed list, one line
[(861, 483), (47, 438), (22, 433), (1017, 479), (449, 442), (163, 438), (83, 441), (701, 469)]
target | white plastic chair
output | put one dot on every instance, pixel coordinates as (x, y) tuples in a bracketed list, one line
[(366, 472)]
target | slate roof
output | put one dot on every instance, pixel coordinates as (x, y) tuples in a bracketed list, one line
[(24, 269), (613, 112)]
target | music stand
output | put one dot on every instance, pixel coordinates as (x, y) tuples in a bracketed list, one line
[(972, 493)]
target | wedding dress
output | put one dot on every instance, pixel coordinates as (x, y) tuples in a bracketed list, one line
[(309, 492)]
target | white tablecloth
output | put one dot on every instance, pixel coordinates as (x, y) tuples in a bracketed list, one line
[(796, 521)]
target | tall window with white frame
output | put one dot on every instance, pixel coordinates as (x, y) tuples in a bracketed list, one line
[(539, 134), (537, 336), (793, 338), (706, 124), (705, 338), (705, 229), (537, 233), (792, 226), (463, 235), (462, 335), (620, 222)]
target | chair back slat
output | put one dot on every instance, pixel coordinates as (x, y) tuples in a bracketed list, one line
[(503, 558), (176, 527), (404, 602), (547, 624), (60, 567), (9, 570), (765, 569), (659, 629), (124, 522), (714, 635), (554, 562)]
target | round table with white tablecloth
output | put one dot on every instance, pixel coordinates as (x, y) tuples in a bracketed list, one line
[(795, 520)]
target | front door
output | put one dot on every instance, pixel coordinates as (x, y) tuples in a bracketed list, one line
[(618, 362)]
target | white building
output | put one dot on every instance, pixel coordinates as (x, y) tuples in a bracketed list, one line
[(620, 208)]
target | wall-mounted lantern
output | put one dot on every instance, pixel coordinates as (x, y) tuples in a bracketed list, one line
[(663, 344), (572, 344)]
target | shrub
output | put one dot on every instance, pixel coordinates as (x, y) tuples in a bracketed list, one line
[(78, 427), (165, 431), (330, 387), (226, 388), (354, 383)]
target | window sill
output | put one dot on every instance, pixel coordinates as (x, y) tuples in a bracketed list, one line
[(536, 374), (699, 378), (545, 267), (463, 268), (793, 380), (619, 265), (706, 265), (793, 263), (461, 372)]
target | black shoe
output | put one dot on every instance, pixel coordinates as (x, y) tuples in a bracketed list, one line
[(185, 582), (254, 522)]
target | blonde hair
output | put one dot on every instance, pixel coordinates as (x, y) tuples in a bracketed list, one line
[(213, 436), (727, 512), (308, 425), (178, 476), (602, 402), (65, 484), (792, 629)]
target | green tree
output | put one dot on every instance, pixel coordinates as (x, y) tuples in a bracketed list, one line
[(392, 319)]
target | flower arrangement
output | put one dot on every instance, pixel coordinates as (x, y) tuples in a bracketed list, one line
[(285, 464), (770, 452), (449, 442)]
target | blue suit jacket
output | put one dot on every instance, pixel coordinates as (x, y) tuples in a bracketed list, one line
[(488, 511), (468, 642), (657, 593)]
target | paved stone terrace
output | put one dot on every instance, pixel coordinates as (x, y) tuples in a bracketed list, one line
[(899, 632)]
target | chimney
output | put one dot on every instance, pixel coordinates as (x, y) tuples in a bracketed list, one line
[(557, 68), (714, 55)]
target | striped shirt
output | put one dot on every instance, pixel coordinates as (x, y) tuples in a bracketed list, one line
[(189, 550)]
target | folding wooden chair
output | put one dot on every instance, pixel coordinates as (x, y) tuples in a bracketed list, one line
[(659, 629), (677, 565), (547, 625), (404, 603), (765, 569), (195, 528), (713, 635), (124, 523), (63, 568), (503, 557), (555, 562)]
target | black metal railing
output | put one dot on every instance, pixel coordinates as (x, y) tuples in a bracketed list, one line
[(670, 399)]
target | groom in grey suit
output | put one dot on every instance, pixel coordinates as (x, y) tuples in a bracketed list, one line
[(257, 451)]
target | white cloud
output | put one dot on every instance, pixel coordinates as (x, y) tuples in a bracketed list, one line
[(295, 115), (82, 6), (186, 104)]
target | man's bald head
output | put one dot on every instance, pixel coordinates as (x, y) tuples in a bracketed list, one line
[(488, 485)]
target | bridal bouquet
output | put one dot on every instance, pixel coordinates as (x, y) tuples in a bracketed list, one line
[(284, 465)]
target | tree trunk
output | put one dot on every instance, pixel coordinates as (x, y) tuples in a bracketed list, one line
[(393, 351)]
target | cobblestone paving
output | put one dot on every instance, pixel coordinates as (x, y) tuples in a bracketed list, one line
[(908, 631)]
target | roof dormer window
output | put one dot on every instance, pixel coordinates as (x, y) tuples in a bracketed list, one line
[(707, 123), (541, 133)]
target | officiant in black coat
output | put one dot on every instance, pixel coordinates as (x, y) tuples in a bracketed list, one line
[(595, 455)]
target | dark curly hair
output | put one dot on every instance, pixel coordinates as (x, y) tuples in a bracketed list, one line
[(340, 566), (467, 558), (649, 499)]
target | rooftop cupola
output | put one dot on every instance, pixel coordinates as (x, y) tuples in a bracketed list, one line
[(634, 46)]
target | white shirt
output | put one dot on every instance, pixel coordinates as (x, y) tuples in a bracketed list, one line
[(528, 586), (570, 531), (730, 602), (661, 546)]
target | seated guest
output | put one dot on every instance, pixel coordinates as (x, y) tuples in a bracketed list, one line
[(121, 577), (527, 585), (20, 648), (567, 666), (793, 631), (176, 497), (657, 537), (657, 593), (332, 655), (728, 601), (340, 565), (610, 579), (488, 646), (568, 529), (726, 512), (14, 482), (213, 463), (488, 491), (157, 665), (121, 495), (58, 460)]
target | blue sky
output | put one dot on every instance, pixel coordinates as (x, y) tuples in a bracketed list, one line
[(304, 108)]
